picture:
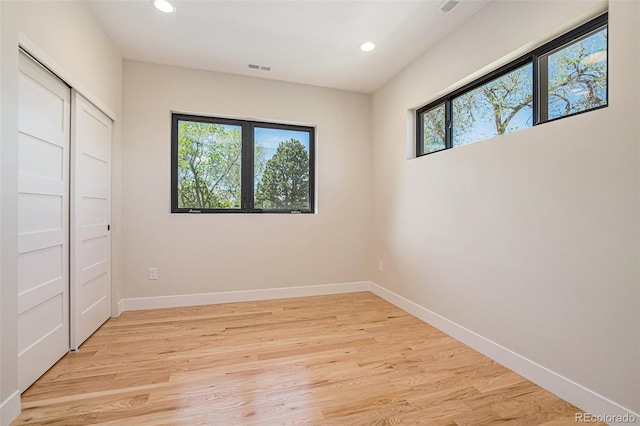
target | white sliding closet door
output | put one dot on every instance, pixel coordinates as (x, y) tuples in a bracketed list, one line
[(43, 220), (91, 217)]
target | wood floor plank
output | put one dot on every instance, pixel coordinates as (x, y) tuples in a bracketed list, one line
[(348, 359)]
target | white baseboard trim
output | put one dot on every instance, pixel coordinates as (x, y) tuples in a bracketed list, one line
[(142, 303), (10, 409), (566, 389), (120, 307)]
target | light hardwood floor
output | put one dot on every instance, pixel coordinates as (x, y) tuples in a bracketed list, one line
[(350, 359)]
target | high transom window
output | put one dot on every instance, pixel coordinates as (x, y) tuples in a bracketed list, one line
[(566, 76)]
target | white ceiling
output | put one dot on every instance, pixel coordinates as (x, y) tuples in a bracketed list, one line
[(311, 42)]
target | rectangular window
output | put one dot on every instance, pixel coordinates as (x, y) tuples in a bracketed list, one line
[(574, 76), (433, 129), (223, 165), (564, 77), (209, 165), (281, 168), (500, 106)]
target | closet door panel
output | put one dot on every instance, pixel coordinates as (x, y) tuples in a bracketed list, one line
[(90, 236), (43, 220)]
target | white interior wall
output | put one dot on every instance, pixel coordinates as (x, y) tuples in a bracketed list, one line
[(72, 37), (210, 253), (529, 239)]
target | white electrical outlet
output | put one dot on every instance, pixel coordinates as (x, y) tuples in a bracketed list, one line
[(380, 266), (153, 273)]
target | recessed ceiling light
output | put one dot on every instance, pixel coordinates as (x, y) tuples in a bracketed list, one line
[(367, 46), (164, 6)]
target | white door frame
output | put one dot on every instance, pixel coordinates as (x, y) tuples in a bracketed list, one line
[(41, 56)]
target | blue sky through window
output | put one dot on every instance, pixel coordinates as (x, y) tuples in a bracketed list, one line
[(270, 139)]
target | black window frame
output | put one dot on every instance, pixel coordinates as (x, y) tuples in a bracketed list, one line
[(247, 164), (420, 128), (538, 74)]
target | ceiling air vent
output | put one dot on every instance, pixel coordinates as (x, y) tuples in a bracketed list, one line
[(448, 5), (259, 67)]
